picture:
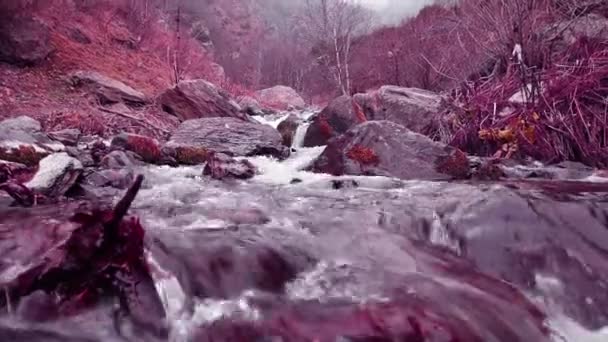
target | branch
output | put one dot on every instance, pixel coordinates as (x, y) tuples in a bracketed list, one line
[(437, 71)]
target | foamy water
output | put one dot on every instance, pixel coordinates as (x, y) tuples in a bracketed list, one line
[(184, 186)]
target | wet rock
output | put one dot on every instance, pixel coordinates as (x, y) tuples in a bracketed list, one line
[(120, 160), (230, 136), (10, 170), (21, 194), (24, 41), (221, 166), (338, 117), (223, 264), (83, 156), (56, 174), (37, 307), (107, 90), (184, 155), (551, 247), (194, 99), (281, 98), (68, 137), (147, 148), (562, 171), (98, 149), (383, 148), (115, 178), (430, 311), (287, 128), (22, 141), (5, 173), (410, 107)]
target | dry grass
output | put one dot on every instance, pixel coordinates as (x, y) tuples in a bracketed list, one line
[(565, 116)]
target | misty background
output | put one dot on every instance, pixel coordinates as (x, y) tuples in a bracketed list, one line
[(392, 12)]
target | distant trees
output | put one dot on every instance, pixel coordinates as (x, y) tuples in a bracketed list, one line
[(330, 26)]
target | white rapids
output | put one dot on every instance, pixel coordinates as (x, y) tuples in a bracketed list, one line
[(290, 173)]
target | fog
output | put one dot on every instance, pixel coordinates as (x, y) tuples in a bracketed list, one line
[(393, 11)]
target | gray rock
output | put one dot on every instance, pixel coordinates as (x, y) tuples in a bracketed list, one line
[(115, 178), (120, 160), (221, 166), (22, 141), (230, 136), (280, 97), (57, 173), (68, 137), (148, 149), (193, 99), (384, 148), (410, 107), (21, 123), (84, 156), (107, 90), (24, 41), (338, 117)]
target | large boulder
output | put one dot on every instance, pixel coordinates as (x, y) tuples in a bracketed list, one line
[(56, 174), (231, 136), (280, 97), (22, 141), (411, 107), (24, 41), (384, 148), (338, 117), (192, 99), (107, 90)]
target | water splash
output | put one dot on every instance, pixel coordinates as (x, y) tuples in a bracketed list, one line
[(565, 329)]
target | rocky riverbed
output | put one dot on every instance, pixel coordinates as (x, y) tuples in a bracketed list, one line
[(367, 239)]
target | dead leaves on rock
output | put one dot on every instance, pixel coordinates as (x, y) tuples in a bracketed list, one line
[(363, 155)]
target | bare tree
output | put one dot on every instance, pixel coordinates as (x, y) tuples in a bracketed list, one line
[(331, 26)]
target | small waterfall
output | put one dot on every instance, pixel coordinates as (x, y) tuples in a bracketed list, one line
[(298, 137)]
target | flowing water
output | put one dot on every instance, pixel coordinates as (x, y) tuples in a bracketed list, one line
[(315, 257), (357, 241)]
